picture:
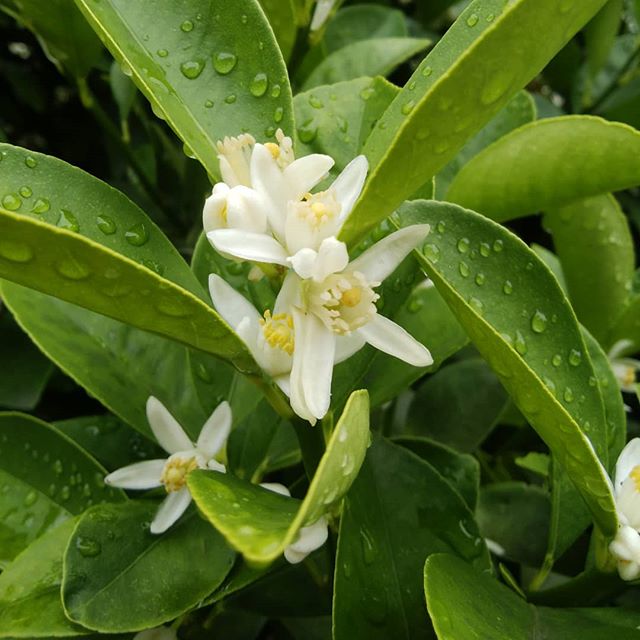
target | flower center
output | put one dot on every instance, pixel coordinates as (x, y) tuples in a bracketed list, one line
[(628, 377), (635, 476), (278, 331), (237, 152), (318, 208), (344, 301), (174, 474)]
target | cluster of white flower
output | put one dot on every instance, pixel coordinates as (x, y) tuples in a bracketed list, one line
[(264, 212)]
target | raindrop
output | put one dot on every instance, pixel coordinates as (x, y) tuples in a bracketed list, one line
[(538, 322), (369, 550), (31, 162), (88, 547), (556, 361), (269, 132), (415, 304), (347, 465), (520, 344), (307, 132), (408, 107), (507, 287), (367, 92), (441, 226), (186, 26), (431, 252), (315, 102), (342, 436), (172, 308), (231, 98), (68, 220), (25, 192), (485, 249), (65, 493), (106, 224), (208, 104), (11, 202), (259, 84), (568, 395), (30, 498), (224, 62), (278, 114), (480, 279), (71, 269), (575, 357), (472, 20), (498, 245), (463, 245), (476, 304), (463, 267), (275, 91), (137, 235), (192, 69), (162, 53), (41, 205), (427, 71)]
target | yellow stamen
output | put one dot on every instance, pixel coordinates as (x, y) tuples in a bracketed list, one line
[(174, 474), (351, 297), (635, 476), (629, 376), (278, 331), (274, 149)]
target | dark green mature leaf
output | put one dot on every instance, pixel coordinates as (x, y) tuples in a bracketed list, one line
[(519, 319), (459, 405), (399, 511), (282, 18), (374, 57), (529, 170), (459, 86), (44, 478), (30, 604), (600, 34), (261, 524), (63, 32), (466, 605), (627, 326), (120, 577), (211, 68)]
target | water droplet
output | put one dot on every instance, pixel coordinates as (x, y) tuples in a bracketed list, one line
[(30, 498), (463, 245), (575, 357), (415, 304), (592, 381), (259, 84), (520, 343), (57, 467), (192, 69), (25, 192), (369, 550), (68, 220), (41, 205), (507, 287), (556, 361), (463, 267), (106, 224), (231, 98), (208, 104), (315, 102), (367, 92), (485, 249), (427, 71), (278, 114), (173, 308), (472, 20), (203, 373), (65, 493), (137, 235), (307, 132), (342, 436), (431, 252), (12, 202), (162, 53), (476, 304), (441, 226), (224, 62), (568, 395), (347, 465), (72, 269), (31, 162), (498, 245), (186, 26), (244, 19), (491, 17), (408, 107), (480, 279), (275, 91), (88, 547), (269, 132), (538, 322)]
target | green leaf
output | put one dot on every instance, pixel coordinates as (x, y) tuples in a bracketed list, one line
[(466, 605), (530, 170), (399, 511), (600, 34), (282, 18), (458, 88), (45, 478), (91, 246), (30, 604), (24, 372), (62, 31), (515, 516), (459, 406), (120, 577), (120, 365), (374, 57), (353, 107), (211, 68), (627, 326), (267, 522), (519, 319)]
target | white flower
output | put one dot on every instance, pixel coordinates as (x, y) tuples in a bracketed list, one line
[(321, 13), (309, 538), (159, 633), (297, 219), (185, 456), (625, 369), (626, 489), (338, 302)]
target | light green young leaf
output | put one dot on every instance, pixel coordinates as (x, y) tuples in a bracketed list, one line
[(600, 34), (374, 57), (593, 241), (491, 51), (47, 478), (30, 603), (211, 68), (465, 605), (265, 523), (531, 170), (399, 511), (519, 319)]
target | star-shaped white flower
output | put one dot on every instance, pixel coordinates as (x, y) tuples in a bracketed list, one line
[(626, 489), (309, 538), (185, 456), (337, 301), (625, 369)]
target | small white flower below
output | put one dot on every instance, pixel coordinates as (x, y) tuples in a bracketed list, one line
[(159, 633), (625, 369), (185, 456)]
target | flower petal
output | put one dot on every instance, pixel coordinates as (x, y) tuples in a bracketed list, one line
[(141, 475), (283, 382), (172, 507), (246, 245), (348, 185), (269, 181), (289, 294), (166, 428), (276, 487), (214, 207), (305, 173), (304, 262), (246, 210), (382, 258), (215, 430), (628, 459), (309, 539), (346, 346), (297, 397), (333, 257), (391, 338), (230, 304)]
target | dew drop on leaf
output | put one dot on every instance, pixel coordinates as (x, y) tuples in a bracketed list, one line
[(259, 85), (25, 192), (224, 62), (186, 26), (538, 322), (68, 220), (11, 202), (137, 235), (31, 162), (106, 224), (192, 69)]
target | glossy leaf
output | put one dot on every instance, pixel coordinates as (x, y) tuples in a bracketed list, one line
[(518, 318), (45, 478), (600, 34), (282, 18), (265, 523), (118, 364), (112, 556), (627, 326), (211, 68), (30, 604), (374, 57), (530, 170), (465, 605), (458, 88), (399, 511)]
